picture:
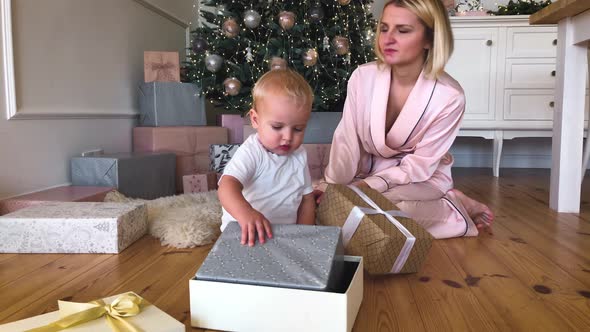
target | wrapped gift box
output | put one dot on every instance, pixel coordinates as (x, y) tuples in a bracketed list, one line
[(149, 319), (140, 174), (171, 104), (318, 156), (73, 227), (161, 66), (197, 183), (190, 144), (220, 154), (297, 256), (235, 125), (59, 194), (389, 244), (221, 305)]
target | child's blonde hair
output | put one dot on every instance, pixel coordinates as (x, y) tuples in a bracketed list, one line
[(285, 82), (435, 19)]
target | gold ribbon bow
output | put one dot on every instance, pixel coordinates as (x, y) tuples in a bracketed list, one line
[(72, 313)]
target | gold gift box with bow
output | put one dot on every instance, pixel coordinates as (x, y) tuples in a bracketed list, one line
[(390, 243), (126, 312)]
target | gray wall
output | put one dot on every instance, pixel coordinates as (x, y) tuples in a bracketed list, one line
[(83, 59)]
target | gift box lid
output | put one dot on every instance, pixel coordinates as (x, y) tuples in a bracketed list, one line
[(297, 256), (73, 210)]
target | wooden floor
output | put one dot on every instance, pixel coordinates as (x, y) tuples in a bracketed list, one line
[(533, 274)]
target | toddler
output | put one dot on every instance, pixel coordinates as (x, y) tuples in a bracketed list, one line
[(267, 180)]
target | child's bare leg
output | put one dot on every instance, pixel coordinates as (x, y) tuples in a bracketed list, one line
[(480, 213)]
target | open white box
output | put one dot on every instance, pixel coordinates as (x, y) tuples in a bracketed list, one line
[(239, 307)]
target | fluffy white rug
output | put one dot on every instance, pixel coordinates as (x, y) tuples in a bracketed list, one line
[(182, 221)]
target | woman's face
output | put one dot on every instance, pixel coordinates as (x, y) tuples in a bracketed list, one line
[(402, 37)]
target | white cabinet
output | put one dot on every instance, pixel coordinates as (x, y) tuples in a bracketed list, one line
[(473, 64), (507, 69)]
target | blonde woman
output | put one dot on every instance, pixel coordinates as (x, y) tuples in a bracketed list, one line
[(401, 116)]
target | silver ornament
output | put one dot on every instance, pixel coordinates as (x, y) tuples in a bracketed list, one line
[(213, 62), (249, 56), (316, 14), (232, 86), (200, 44), (251, 18)]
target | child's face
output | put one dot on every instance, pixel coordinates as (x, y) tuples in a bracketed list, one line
[(280, 123)]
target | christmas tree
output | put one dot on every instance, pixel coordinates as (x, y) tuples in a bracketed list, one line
[(323, 40)]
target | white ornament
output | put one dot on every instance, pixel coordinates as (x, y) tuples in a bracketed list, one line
[(347, 58), (249, 56), (326, 43)]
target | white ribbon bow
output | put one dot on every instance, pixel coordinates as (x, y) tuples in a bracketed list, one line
[(356, 215)]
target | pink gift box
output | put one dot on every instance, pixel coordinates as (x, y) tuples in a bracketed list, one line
[(59, 194), (235, 125), (197, 183), (317, 159), (161, 66), (190, 144)]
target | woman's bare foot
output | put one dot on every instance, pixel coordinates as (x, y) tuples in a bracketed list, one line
[(480, 213)]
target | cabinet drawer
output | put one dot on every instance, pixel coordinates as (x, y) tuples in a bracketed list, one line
[(526, 42), (533, 104), (528, 104), (530, 73)]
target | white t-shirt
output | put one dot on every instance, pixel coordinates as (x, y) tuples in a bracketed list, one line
[(274, 185)]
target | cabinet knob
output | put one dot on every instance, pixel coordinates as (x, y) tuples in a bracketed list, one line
[(553, 73), (554, 41), (551, 104), (489, 42)]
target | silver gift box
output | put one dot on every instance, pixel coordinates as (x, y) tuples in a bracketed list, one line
[(171, 104), (297, 256), (73, 227), (145, 175)]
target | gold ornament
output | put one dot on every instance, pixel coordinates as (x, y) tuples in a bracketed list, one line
[(286, 19), (232, 86), (277, 63), (230, 28), (310, 57), (340, 45), (343, 2)]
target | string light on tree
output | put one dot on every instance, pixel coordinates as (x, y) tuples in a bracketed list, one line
[(238, 41)]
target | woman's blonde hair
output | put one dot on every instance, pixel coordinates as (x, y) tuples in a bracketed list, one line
[(435, 19), (284, 82)]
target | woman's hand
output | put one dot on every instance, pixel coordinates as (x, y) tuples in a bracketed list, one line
[(360, 184), (317, 194)]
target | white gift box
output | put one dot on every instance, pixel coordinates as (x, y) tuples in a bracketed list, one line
[(241, 307), (73, 227), (149, 319)]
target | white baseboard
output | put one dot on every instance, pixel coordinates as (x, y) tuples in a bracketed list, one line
[(508, 160)]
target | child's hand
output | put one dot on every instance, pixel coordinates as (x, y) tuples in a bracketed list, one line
[(254, 223), (317, 194)]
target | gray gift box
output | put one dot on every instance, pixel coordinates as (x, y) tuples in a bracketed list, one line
[(297, 256), (171, 104), (146, 175)]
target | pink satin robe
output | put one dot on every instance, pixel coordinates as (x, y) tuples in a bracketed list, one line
[(410, 164)]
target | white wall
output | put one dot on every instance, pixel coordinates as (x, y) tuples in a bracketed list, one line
[(81, 57)]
